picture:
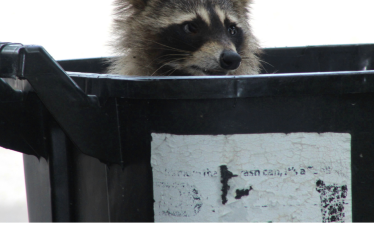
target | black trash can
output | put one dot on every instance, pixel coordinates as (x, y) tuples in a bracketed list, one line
[(291, 145)]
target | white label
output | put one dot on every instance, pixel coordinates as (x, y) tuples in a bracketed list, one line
[(298, 177)]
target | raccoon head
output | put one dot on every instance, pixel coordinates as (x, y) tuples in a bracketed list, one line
[(186, 37)]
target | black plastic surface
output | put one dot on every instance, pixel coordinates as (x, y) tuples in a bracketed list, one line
[(77, 113), (93, 65), (223, 87), (318, 59), (336, 95)]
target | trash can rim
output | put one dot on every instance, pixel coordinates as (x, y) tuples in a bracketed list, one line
[(222, 87)]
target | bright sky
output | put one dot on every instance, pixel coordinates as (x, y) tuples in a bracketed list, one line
[(80, 29)]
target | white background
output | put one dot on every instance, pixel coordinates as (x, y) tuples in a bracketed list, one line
[(80, 29)]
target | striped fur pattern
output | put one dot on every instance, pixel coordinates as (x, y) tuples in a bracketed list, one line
[(184, 37)]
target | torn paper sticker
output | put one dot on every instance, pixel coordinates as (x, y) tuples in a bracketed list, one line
[(297, 177)]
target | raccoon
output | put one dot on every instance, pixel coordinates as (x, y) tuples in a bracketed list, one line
[(184, 37)]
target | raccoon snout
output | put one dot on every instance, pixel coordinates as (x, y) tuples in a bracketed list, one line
[(230, 60)]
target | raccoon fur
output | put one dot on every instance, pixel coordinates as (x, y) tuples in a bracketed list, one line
[(184, 37)]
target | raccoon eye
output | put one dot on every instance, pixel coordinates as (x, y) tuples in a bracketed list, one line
[(232, 30), (190, 28)]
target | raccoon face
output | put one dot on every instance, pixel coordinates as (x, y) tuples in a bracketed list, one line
[(184, 37), (205, 42)]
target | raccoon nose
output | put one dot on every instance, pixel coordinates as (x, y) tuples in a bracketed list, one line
[(230, 60)]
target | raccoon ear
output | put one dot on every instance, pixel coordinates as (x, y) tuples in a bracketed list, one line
[(138, 4), (247, 2), (243, 2)]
